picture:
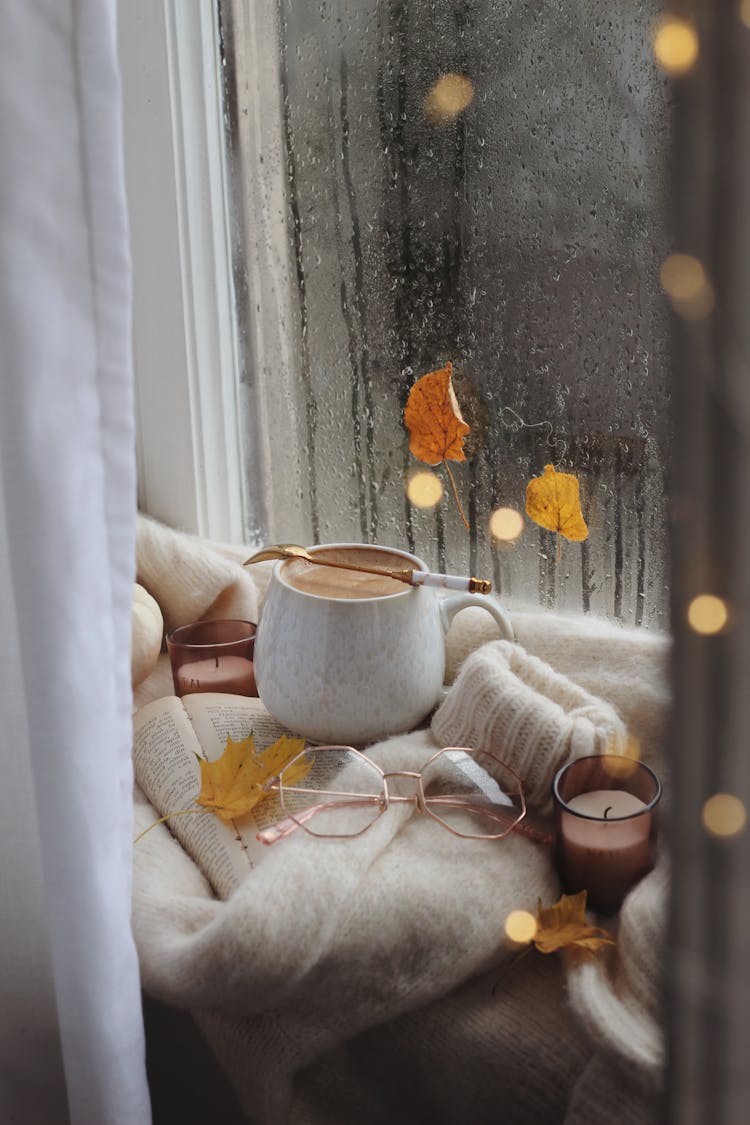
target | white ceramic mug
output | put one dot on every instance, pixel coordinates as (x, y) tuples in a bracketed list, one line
[(353, 670)]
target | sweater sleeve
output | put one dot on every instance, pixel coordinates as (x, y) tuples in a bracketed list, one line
[(512, 704)]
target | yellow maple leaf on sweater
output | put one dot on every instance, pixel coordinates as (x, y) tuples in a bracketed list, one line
[(233, 784), (564, 926)]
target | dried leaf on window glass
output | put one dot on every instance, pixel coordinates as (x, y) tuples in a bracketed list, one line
[(564, 926), (433, 419), (233, 784), (553, 501), (436, 428)]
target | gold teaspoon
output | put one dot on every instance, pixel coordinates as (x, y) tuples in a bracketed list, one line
[(409, 576)]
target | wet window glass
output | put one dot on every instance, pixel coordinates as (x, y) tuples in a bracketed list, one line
[(475, 182)]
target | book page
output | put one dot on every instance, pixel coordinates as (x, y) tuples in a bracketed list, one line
[(165, 765), (217, 716)]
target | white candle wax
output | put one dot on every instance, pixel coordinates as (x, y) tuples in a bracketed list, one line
[(609, 803), (605, 856), (232, 674)]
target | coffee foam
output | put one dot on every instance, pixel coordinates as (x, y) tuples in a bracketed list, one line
[(331, 582)]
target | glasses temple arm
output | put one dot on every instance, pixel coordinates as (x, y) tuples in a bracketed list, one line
[(290, 824), (535, 827)]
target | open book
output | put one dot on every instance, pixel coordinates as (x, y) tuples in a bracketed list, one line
[(169, 735)]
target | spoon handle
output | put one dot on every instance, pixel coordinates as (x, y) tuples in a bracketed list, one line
[(414, 577), (450, 582), (418, 577), (407, 575)]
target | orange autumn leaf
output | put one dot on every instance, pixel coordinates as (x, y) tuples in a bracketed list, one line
[(433, 419), (553, 501), (564, 926), (233, 784)]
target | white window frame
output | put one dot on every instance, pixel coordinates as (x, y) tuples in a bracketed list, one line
[(186, 354)]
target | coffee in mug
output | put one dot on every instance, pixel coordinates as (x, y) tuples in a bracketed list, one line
[(347, 658), (330, 582)]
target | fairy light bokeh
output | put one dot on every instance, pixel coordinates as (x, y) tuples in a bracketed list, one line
[(707, 614), (506, 524), (686, 283), (682, 276), (724, 815), (676, 45), (521, 926), (447, 98), (424, 489)]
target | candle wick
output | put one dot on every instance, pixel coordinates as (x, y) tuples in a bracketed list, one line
[(606, 811)]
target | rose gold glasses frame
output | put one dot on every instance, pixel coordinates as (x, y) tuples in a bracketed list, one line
[(385, 799)]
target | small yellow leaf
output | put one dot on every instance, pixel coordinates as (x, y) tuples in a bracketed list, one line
[(433, 419), (275, 759), (233, 784), (564, 926), (553, 501)]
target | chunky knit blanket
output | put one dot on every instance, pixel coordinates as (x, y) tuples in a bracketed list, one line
[(371, 980)]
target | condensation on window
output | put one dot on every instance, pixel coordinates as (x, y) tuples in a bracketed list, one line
[(483, 182)]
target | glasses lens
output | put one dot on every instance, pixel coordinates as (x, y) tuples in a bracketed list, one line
[(331, 791), (468, 800)]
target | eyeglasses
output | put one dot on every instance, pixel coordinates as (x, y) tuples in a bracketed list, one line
[(336, 792)]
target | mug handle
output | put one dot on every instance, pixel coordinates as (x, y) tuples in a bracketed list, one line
[(451, 605)]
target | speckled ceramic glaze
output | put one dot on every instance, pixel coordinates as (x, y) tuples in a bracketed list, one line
[(354, 671)]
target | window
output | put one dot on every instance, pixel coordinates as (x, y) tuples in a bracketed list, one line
[(484, 183), (565, 327)]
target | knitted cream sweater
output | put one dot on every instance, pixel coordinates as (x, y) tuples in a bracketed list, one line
[(344, 982), (515, 705)]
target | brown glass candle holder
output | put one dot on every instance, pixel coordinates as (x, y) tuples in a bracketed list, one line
[(605, 810), (213, 656)]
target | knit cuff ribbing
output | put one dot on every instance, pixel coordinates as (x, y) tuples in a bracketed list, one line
[(518, 708)]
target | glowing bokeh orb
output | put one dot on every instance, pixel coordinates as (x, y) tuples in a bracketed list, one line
[(707, 614), (682, 276), (506, 523), (675, 45), (424, 489), (447, 98), (521, 926), (724, 815), (685, 281)]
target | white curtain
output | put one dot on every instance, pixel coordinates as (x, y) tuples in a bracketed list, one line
[(71, 1033)]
